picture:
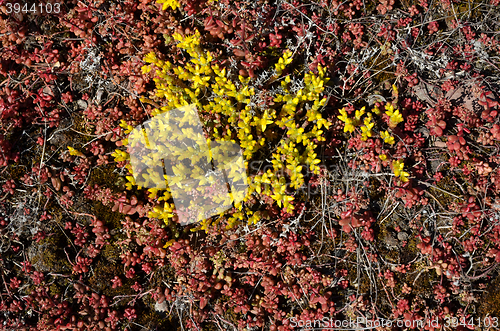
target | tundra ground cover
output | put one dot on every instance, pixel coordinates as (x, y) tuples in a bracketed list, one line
[(370, 134)]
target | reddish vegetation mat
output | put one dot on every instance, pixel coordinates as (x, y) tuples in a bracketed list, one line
[(399, 222)]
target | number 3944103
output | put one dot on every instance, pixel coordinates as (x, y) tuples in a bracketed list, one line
[(472, 322), (33, 8)]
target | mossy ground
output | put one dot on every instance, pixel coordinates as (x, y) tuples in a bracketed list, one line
[(490, 300), (48, 254)]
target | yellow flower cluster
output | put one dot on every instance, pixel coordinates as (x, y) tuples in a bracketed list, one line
[(169, 3), (75, 152), (367, 124), (173, 4), (387, 137), (398, 171), (234, 101), (350, 124), (394, 116), (285, 60)]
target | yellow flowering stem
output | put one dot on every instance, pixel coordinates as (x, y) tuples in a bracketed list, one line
[(75, 152), (395, 116), (174, 4), (387, 137), (398, 170)]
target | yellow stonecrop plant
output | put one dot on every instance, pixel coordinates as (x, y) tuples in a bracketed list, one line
[(243, 122), (174, 4), (394, 116), (366, 130), (366, 126), (75, 152), (399, 172), (285, 60), (350, 124), (386, 136)]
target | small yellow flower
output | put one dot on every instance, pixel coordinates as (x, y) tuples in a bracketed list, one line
[(343, 115), (75, 152), (383, 157), (283, 61), (151, 58), (389, 107), (398, 171), (349, 123), (387, 137), (395, 89), (398, 167), (169, 3), (394, 116), (264, 121), (145, 69), (349, 126), (367, 129), (169, 243), (188, 42), (359, 113)]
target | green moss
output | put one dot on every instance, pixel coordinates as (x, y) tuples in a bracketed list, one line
[(230, 314), (423, 282), (374, 191), (104, 213), (55, 289), (410, 250), (449, 185), (365, 285), (162, 275), (111, 253), (377, 64), (471, 10), (104, 272), (157, 321), (370, 7), (16, 172), (48, 254), (490, 301), (105, 177)]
